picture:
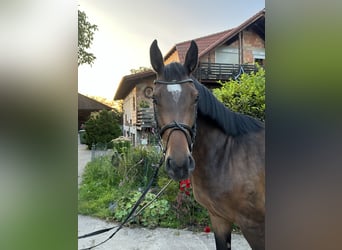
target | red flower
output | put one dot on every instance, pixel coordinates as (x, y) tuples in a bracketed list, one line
[(207, 229), (184, 184), (187, 183)]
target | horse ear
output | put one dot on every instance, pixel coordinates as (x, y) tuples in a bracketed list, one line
[(156, 58), (191, 58)]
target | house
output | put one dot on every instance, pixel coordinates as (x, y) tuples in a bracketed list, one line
[(222, 56), (87, 105), (136, 91)]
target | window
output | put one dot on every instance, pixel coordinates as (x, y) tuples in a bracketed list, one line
[(259, 56), (227, 55)]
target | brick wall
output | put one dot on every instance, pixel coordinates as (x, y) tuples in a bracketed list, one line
[(251, 41)]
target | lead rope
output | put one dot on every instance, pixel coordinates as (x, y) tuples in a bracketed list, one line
[(131, 212)]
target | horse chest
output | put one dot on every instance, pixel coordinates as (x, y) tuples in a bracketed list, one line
[(216, 196)]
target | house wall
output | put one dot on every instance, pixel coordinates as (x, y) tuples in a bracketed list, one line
[(172, 58), (252, 45), (208, 57), (140, 88), (130, 107), (129, 117), (140, 93)]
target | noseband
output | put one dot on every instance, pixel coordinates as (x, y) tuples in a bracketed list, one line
[(189, 132)]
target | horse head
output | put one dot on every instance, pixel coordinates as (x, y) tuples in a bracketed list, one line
[(175, 105)]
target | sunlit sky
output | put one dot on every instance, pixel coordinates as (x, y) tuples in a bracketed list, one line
[(126, 29)]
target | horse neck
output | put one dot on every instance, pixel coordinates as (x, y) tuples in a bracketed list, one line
[(208, 134), (210, 152)]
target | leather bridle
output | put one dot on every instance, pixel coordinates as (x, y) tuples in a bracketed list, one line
[(188, 131)]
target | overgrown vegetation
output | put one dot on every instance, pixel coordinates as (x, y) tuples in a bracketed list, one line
[(245, 95), (110, 190)]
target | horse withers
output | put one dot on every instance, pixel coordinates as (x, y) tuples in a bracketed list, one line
[(223, 152)]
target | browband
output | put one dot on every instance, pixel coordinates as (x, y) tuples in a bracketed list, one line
[(173, 81)]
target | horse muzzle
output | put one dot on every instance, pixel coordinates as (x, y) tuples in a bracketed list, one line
[(179, 168)]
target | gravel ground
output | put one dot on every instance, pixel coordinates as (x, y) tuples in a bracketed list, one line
[(142, 238)]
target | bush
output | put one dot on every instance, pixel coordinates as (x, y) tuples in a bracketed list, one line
[(102, 127), (245, 95)]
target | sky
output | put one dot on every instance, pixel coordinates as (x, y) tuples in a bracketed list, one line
[(126, 29)]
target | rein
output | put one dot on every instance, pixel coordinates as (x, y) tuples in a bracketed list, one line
[(129, 216)]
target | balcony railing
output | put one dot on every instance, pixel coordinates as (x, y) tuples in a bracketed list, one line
[(145, 118), (221, 71)]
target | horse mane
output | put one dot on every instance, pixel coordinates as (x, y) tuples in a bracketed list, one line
[(173, 71), (230, 122)]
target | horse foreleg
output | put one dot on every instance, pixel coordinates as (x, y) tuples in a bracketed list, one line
[(222, 232), (223, 242), (254, 233)]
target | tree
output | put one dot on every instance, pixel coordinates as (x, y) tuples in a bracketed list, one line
[(102, 127), (86, 32), (245, 95), (141, 69)]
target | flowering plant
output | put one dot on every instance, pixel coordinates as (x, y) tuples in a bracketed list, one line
[(185, 202), (188, 209), (185, 186)]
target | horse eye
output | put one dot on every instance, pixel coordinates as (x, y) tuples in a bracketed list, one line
[(196, 99)]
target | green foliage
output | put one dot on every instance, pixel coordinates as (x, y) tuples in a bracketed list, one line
[(151, 215), (136, 166), (172, 190), (122, 145), (96, 190), (245, 95), (105, 184), (102, 127), (140, 69), (85, 39)]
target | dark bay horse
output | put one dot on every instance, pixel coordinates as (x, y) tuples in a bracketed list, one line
[(223, 152)]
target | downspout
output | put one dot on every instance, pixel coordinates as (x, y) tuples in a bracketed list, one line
[(240, 47)]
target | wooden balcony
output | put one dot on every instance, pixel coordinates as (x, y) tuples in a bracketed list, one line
[(212, 72), (145, 118)]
